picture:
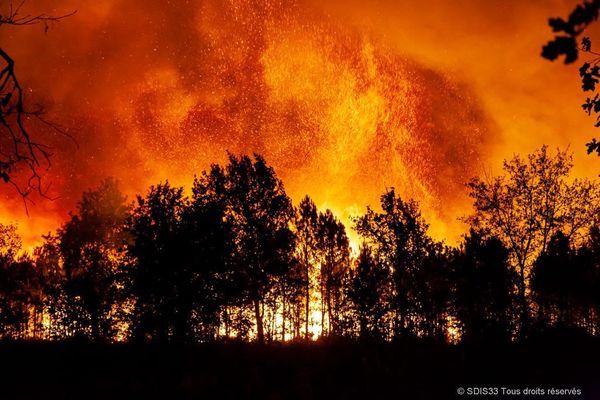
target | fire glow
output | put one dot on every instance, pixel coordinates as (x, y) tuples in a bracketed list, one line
[(151, 94)]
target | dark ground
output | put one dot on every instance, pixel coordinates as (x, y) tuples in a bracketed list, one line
[(409, 370)]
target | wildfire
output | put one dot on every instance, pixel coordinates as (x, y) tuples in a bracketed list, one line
[(337, 112)]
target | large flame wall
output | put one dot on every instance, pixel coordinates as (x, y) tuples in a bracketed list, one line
[(342, 99)]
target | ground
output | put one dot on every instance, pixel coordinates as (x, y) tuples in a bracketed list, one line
[(407, 370)]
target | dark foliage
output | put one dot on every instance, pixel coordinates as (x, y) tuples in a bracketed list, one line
[(565, 43), (567, 31), (484, 293), (235, 260), (401, 245), (366, 290)]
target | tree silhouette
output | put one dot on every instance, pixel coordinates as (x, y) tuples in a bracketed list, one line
[(234, 259), (367, 290), (565, 43), (91, 249), (209, 255), (260, 215), (156, 276), (55, 304), (551, 281), (306, 233), (13, 310), (433, 297), (293, 287), (400, 242), (483, 298), (588, 258), (334, 249), (528, 204), (565, 285), (17, 146), (21, 288)]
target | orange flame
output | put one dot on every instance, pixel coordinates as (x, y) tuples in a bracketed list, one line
[(154, 92)]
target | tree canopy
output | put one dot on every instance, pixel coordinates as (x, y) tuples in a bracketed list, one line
[(234, 258)]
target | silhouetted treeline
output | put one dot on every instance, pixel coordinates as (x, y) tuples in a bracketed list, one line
[(235, 258)]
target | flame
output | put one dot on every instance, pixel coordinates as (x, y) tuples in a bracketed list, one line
[(342, 109)]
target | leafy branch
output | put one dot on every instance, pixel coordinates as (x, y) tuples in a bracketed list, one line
[(565, 43)]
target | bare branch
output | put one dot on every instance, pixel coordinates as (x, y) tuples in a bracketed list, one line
[(14, 18), (17, 148)]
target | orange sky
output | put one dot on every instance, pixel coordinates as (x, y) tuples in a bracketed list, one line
[(344, 98)]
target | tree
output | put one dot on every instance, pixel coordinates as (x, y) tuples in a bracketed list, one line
[(208, 253), (565, 43), (367, 290), (55, 304), (91, 247), (484, 286), (13, 310), (334, 250), (588, 260), (433, 292), (527, 205), (20, 288), (260, 215), (157, 271), (551, 281), (399, 238), (17, 147), (293, 285), (306, 233), (565, 284)]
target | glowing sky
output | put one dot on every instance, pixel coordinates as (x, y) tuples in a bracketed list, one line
[(343, 98)]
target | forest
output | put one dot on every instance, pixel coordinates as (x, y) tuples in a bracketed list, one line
[(298, 199), (235, 259)]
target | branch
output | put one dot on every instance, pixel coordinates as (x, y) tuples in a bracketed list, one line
[(14, 18), (17, 148)]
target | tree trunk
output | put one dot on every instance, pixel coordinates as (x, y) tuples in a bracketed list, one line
[(297, 322), (400, 321), (307, 296), (523, 301), (96, 326), (227, 322), (329, 326), (260, 333), (322, 308), (283, 317)]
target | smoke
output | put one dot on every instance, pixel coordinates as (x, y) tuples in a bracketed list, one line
[(153, 91)]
